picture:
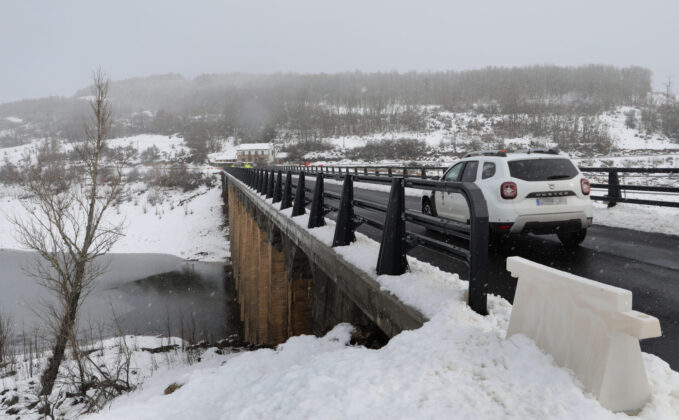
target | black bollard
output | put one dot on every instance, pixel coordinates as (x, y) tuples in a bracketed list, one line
[(392, 259), (286, 199), (344, 229), (298, 205), (316, 218)]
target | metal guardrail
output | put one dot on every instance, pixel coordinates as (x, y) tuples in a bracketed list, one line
[(397, 239), (424, 172), (614, 188)]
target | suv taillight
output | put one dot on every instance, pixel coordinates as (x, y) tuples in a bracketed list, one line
[(584, 185), (508, 190)]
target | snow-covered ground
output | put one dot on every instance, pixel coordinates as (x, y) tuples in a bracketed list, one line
[(168, 146), (15, 120), (625, 138), (638, 217), (19, 390), (452, 131), (186, 224), (157, 220), (458, 365)]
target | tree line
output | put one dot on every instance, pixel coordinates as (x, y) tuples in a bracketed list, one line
[(305, 107)]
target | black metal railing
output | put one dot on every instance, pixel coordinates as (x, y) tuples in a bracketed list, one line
[(614, 189), (397, 239), (424, 172)]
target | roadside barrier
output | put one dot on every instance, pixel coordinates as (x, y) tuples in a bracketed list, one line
[(588, 327), (393, 219)]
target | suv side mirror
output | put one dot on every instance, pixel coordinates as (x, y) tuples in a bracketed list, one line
[(436, 178)]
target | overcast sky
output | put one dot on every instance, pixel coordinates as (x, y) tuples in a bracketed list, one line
[(50, 47)]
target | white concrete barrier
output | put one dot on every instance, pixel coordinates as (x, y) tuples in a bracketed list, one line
[(586, 326)]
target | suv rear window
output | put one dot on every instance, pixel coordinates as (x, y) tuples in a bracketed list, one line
[(542, 169)]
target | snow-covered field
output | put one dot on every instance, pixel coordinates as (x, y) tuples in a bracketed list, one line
[(185, 224), (458, 365)]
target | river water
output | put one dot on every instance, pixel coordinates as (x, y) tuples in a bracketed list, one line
[(147, 294)]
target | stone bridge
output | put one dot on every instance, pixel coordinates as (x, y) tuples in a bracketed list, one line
[(291, 283)]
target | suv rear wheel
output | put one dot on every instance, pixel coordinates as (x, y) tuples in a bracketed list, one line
[(572, 239), (427, 208)]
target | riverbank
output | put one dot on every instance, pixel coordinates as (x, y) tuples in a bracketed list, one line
[(189, 224)]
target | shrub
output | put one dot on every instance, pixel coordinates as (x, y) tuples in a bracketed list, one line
[(177, 176), (401, 149)]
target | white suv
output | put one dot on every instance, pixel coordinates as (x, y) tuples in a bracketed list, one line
[(534, 191)]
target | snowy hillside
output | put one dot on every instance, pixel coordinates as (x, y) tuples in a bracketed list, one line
[(151, 214), (449, 134), (151, 217), (169, 147)]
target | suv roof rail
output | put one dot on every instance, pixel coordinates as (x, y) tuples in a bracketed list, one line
[(550, 151), (502, 153)]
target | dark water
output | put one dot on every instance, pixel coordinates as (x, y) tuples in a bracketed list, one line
[(146, 293)]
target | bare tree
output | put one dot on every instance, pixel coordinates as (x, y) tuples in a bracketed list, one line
[(6, 331), (67, 227)]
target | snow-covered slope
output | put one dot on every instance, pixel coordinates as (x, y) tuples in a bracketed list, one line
[(168, 146), (625, 138), (185, 224)]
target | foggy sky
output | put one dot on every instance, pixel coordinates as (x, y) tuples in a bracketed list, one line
[(51, 47)]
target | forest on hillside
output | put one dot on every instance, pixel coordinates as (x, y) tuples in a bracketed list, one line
[(305, 108)]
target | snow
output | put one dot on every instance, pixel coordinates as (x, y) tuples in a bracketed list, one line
[(458, 365), (451, 132), (225, 155), (143, 365), (15, 120), (166, 144), (638, 217), (631, 139), (191, 230), (254, 146)]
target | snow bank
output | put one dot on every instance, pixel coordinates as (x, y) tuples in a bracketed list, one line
[(457, 366), (638, 217)]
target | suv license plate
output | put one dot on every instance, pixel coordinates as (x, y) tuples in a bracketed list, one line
[(550, 201)]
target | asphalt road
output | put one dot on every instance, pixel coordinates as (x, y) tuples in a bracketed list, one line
[(645, 263)]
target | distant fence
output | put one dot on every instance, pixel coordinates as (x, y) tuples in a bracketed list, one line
[(615, 190), (397, 237)]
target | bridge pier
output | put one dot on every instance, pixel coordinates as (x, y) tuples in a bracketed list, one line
[(298, 269), (277, 319)]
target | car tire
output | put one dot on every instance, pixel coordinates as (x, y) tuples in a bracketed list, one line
[(428, 208), (572, 239)]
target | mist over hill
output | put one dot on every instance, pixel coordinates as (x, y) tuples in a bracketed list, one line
[(543, 100)]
